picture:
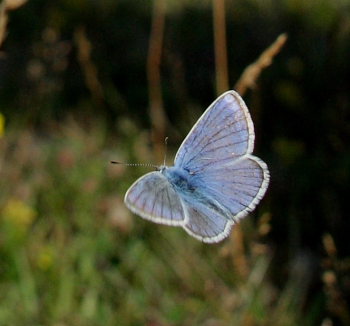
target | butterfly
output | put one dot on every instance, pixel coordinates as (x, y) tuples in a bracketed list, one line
[(215, 180)]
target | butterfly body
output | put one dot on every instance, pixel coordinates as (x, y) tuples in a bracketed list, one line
[(215, 179), (191, 190), (179, 178)]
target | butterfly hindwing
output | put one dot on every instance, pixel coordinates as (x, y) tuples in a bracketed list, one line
[(153, 198), (238, 185), (204, 223)]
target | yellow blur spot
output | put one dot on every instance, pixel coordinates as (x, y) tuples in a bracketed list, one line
[(18, 213), (45, 258), (2, 124)]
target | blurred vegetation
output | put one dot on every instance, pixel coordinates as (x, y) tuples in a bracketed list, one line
[(76, 82)]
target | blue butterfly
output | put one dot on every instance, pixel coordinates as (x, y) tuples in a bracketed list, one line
[(215, 181)]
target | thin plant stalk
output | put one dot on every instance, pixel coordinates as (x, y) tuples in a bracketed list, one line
[(220, 43), (156, 107)]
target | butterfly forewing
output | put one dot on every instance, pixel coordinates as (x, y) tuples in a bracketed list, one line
[(153, 198), (224, 131)]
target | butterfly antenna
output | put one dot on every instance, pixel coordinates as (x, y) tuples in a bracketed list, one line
[(166, 149), (136, 164)]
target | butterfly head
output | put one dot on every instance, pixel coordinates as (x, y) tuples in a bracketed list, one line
[(161, 168)]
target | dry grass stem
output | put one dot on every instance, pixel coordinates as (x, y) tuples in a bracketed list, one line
[(332, 278), (329, 245), (253, 71), (5, 6), (238, 252), (157, 114), (14, 4), (221, 64), (3, 22), (87, 66)]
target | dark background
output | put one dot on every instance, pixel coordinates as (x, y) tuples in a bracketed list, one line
[(66, 115)]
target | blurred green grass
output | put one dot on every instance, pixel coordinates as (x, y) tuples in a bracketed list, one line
[(72, 254)]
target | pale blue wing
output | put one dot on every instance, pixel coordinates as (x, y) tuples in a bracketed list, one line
[(225, 131), (153, 198), (238, 185), (204, 223)]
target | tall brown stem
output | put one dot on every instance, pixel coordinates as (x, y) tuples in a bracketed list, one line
[(157, 114), (222, 83)]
